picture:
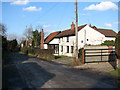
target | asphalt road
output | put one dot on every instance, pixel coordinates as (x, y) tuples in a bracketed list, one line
[(29, 72)]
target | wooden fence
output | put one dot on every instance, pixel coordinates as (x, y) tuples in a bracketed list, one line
[(98, 55)]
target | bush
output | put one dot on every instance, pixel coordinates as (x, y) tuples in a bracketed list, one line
[(12, 45), (31, 51), (117, 44), (24, 50), (108, 43), (44, 53), (4, 49), (80, 53)]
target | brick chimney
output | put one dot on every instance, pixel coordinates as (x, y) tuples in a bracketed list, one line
[(42, 40), (72, 25), (90, 25)]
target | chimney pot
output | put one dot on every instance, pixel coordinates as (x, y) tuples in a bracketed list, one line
[(72, 25), (90, 25)]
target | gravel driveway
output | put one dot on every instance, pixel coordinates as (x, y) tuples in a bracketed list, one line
[(37, 73)]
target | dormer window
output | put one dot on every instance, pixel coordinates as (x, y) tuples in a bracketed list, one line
[(67, 39)]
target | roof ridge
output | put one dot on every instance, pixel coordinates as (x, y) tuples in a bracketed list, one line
[(78, 27), (104, 29)]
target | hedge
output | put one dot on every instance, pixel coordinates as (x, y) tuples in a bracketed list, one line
[(117, 44), (80, 53), (31, 51), (44, 53), (24, 50), (108, 43)]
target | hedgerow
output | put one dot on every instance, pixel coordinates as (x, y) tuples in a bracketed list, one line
[(46, 54), (117, 44)]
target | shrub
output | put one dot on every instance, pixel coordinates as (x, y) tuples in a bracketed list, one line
[(31, 51), (108, 43), (12, 45), (24, 50), (4, 49), (80, 53), (117, 44), (44, 53)]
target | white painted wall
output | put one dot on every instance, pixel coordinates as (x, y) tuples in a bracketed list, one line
[(22, 45), (45, 46), (94, 37), (64, 43), (54, 41), (109, 38)]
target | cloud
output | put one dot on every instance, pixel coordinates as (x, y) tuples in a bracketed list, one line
[(32, 8), (102, 6), (19, 2), (108, 25), (45, 26)]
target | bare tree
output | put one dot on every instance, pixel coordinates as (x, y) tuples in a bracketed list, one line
[(29, 32), (3, 29), (20, 39), (39, 28), (12, 36)]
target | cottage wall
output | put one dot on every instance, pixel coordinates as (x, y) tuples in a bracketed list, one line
[(64, 43), (54, 41), (109, 38)]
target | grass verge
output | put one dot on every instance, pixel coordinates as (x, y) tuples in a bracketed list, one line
[(115, 73), (32, 55), (70, 64), (61, 57)]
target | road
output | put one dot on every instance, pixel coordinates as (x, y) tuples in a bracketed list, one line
[(30, 72)]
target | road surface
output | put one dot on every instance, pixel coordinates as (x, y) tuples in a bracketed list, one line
[(29, 72)]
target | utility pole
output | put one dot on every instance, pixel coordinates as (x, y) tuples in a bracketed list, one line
[(76, 31), (26, 35)]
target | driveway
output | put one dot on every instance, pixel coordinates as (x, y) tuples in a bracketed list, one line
[(36, 73)]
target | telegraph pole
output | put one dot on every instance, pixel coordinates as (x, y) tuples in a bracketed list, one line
[(26, 35), (76, 31)]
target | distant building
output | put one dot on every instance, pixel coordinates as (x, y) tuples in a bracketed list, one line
[(29, 43), (64, 42)]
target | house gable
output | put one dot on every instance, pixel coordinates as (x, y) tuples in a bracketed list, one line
[(88, 35), (51, 36)]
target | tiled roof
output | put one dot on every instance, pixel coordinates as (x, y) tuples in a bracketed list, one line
[(69, 32), (106, 32), (51, 36)]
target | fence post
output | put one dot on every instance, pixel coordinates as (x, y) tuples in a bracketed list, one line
[(101, 55), (83, 56), (110, 49)]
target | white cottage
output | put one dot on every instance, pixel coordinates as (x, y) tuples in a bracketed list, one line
[(64, 42)]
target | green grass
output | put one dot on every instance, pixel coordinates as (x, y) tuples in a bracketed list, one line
[(22, 53), (115, 73), (71, 64), (61, 57), (31, 55)]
